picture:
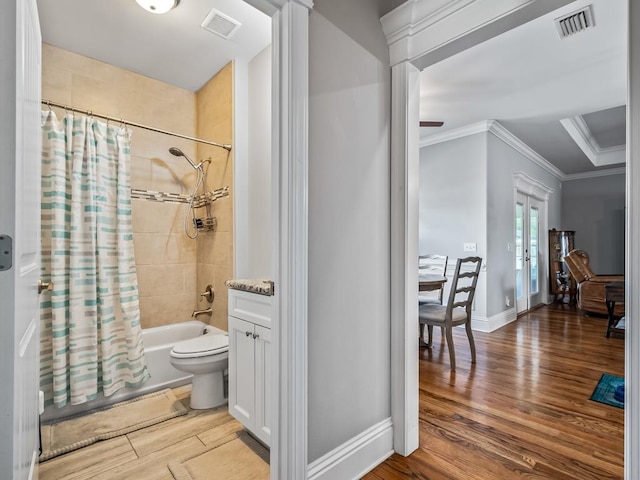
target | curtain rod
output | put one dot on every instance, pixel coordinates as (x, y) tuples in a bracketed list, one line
[(133, 124)]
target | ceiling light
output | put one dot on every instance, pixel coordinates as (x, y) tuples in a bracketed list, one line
[(158, 6)]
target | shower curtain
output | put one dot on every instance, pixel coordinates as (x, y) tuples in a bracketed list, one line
[(91, 338)]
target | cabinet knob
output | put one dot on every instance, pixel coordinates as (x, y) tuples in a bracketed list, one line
[(255, 335), (247, 333)]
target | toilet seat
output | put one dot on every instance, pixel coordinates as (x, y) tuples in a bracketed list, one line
[(201, 346)]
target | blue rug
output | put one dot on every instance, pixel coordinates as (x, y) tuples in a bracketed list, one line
[(610, 390)]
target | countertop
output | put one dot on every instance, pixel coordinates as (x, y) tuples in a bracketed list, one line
[(261, 286)]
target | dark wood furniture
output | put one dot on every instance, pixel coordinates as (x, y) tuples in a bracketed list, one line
[(614, 292), (561, 283)]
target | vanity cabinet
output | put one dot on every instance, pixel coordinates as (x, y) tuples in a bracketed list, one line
[(250, 374)]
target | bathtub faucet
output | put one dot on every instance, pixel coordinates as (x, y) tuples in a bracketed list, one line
[(199, 312)]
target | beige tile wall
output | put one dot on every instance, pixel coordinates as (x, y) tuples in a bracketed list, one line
[(214, 104), (166, 259)]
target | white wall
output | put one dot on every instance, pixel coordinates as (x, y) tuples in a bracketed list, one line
[(349, 223), (595, 209), (259, 166)]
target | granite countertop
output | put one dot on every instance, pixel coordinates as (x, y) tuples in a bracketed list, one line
[(260, 286)]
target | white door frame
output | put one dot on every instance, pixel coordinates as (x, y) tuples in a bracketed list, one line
[(419, 34), (290, 159), (527, 202), (533, 188)]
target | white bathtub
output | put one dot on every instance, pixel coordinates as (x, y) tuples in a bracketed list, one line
[(158, 342)]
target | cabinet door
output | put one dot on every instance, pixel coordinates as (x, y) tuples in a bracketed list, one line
[(264, 385), (242, 371)]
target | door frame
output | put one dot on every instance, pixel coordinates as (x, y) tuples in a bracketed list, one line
[(420, 34), (541, 260), (530, 187), (290, 160)]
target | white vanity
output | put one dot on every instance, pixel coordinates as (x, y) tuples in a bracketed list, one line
[(250, 373)]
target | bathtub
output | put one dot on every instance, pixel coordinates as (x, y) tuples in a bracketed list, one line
[(158, 342)]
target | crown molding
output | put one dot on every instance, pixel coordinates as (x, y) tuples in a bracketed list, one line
[(500, 132), (595, 174), (580, 132), (471, 129)]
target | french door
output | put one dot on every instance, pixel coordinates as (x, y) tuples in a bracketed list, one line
[(529, 211)]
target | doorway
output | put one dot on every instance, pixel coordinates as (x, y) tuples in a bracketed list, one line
[(528, 253)]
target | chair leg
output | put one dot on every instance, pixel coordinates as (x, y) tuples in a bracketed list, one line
[(472, 344), (430, 331), (452, 353), (422, 332)]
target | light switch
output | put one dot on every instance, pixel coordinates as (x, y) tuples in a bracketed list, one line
[(469, 247)]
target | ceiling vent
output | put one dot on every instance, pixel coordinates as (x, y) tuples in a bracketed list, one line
[(575, 22), (220, 24)]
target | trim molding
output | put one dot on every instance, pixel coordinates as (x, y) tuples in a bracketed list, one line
[(580, 132), (405, 163), (490, 324), (425, 31), (529, 186), (356, 456), (597, 173), (500, 132)]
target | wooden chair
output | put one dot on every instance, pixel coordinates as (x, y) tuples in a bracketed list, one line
[(458, 308), (434, 264)]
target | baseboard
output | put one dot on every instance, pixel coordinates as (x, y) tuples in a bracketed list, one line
[(484, 324), (357, 456)]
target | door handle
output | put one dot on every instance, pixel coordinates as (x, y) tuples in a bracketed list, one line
[(42, 286)]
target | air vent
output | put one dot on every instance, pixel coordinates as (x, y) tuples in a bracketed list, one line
[(575, 22), (221, 24)]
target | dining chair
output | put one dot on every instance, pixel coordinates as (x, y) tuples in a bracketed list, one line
[(436, 265), (457, 311), (432, 264)]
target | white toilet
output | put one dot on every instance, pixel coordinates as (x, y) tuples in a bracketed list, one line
[(206, 357)]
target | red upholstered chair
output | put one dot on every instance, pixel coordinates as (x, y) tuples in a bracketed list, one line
[(591, 293)]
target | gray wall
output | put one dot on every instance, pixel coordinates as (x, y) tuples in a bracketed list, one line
[(595, 209), (467, 195), (349, 222), (259, 165), (503, 162), (453, 207)]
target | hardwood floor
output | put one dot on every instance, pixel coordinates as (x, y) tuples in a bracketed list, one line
[(523, 411), (144, 454)]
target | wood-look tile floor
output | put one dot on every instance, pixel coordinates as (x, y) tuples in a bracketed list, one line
[(523, 410), (144, 454)]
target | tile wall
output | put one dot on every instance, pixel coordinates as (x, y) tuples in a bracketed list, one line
[(167, 261), (214, 104)]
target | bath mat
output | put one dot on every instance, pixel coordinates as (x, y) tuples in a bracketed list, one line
[(71, 433), (236, 457), (605, 391)]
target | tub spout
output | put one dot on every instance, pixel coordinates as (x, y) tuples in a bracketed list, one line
[(199, 312)]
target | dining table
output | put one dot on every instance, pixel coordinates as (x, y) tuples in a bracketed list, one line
[(430, 281)]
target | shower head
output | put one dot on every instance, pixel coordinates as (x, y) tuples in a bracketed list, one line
[(179, 153)]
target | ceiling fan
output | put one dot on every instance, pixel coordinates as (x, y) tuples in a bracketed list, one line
[(431, 124)]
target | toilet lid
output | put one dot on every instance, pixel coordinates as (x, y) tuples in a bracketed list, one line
[(202, 345)]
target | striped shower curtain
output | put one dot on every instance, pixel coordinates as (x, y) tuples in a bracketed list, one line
[(91, 338)]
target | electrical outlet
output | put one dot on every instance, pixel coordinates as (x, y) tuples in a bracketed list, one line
[(469, 247), (507, 301)]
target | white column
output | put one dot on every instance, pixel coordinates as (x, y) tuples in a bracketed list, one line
[(632, 274), (290, 154), (405, 98)]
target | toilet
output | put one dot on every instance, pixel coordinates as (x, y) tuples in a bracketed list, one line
[(206, 357)]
